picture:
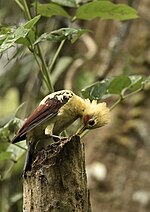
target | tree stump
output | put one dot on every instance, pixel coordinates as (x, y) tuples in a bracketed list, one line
[(57, 181)]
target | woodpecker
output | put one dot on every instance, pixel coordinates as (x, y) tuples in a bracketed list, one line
[(55, 113)]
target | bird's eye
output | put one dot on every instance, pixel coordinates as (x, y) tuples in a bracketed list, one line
[(91, 122)]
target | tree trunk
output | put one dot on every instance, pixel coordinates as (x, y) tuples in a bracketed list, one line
[(57, 181)]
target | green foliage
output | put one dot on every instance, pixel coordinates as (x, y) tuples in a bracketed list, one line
[(105, 10), (9, 151), (5, 156), (119, 85), (28, 36), (68, 3), (7, 131), (4, 32), (62, 34), (96, 90), (19, 35), (51, 9), (25, 35)]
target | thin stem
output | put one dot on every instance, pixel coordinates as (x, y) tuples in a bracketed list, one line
[(21, 147), (124, 97), (43, 67), (26, 10), (134, 92), (45, 70), (20, 5), (56, 55), (40, 67), (115, 104)]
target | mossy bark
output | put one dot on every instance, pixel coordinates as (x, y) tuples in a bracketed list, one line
[(57, 181)]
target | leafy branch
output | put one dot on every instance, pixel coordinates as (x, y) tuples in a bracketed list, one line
[(122, 86), (27, 34), (37, 51), (125, 97)]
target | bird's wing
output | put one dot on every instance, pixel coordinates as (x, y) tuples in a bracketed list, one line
[(40, 115)]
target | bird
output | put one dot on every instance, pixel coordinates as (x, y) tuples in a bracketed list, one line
[(54, 114)]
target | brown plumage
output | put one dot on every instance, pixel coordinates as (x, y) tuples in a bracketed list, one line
[(59, 110)]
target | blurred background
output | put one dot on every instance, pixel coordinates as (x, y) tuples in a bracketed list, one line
[(118, 155)]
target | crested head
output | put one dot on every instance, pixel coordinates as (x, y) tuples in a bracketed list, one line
[(95, 114)]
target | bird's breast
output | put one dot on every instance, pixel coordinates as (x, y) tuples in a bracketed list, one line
[(66, 116)]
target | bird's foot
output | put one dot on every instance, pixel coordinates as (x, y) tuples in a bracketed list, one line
[(58, 138)]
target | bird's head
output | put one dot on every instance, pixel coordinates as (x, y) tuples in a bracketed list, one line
[(94, 115)]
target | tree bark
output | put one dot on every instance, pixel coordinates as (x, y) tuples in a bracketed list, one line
[(57, 181)]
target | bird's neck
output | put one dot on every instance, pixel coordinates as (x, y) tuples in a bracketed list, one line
[(78, 105)]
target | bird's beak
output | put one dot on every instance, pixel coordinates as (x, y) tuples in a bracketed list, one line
[(81, 130)]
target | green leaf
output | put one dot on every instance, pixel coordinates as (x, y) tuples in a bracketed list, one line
[(28, 40), (97, 90), (21, 32), (19, 35), (119, 84), (4, 32), (5, 156), (4, 138), (8, 131), (8, 150), (30, 24), (6, 134), (137, 82), (50, 9), (106, 10), (114, 86), (61, 34), (67, 3)]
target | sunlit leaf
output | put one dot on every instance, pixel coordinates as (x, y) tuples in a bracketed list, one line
[(105, 10), (21, 32), (30, 24), (28, 40), (4, 32), (19, 35)]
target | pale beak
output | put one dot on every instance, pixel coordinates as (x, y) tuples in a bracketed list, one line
[(81, 130)]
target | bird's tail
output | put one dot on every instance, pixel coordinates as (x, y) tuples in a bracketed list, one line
[(18, 138), (29, 158)]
